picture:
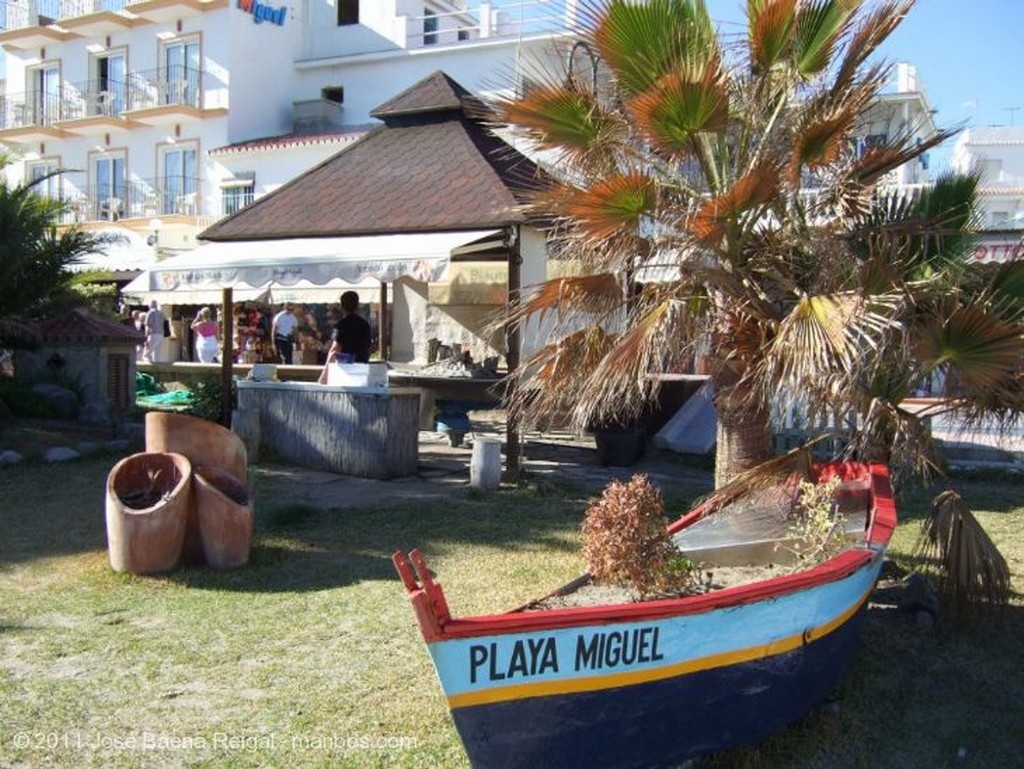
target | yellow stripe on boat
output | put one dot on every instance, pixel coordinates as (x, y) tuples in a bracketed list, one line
[(613, 680)]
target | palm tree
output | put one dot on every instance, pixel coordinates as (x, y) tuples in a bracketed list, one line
[(34, 256), (688, 158)]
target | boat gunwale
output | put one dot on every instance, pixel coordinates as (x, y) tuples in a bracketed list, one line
[(879, 528)]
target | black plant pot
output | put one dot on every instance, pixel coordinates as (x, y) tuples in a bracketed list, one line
[(620, 446)]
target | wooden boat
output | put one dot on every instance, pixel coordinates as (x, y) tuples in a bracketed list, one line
[(658, 682)]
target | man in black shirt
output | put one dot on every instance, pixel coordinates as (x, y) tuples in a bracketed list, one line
[(351, 335)]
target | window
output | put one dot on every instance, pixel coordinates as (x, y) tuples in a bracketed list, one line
[(463, 35), (1000, 218), (333, 93), (108, 187), (237, 193), (429, 27), (348, 12)]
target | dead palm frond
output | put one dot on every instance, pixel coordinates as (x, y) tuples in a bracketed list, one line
[(970, 568)]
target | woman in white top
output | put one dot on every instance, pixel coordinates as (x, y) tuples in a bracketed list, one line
[(206, 336)]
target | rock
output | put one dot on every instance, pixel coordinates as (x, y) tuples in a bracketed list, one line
[(924, 620), (60, 454), (118, 444), (10, 457), (98, 412), (87, 447), (62, 399)]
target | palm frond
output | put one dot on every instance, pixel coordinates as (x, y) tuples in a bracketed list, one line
[(819, 26), (611, 206), (679, 106), (871, 33), (710, 222), (971, 569), (771, 25), (560, 117), (979, 348), (641, 42)]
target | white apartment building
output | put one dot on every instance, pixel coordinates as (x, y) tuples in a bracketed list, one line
[(167, 115), (997, 153)]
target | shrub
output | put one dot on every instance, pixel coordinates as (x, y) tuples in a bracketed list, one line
[(205, 402), (24, 403), (818, 530), (624, 541)]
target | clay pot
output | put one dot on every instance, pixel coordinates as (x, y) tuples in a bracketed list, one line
[(224, 516), (204, 443), (149, 498)]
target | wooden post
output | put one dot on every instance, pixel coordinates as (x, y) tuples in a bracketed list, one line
[(382, 322), (227, 357), (513, 340)]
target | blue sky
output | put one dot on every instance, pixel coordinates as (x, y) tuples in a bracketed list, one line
[(967, 56)]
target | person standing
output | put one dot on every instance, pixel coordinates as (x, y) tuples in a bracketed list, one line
[(282, 331), (154, 333), (351, 335), (206, 336)]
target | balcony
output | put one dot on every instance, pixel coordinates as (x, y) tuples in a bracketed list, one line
[(171, 10), (137, 199), (30, 117), (94, 107), (526, 18), (26, 24), (167, 96), (94, 18)]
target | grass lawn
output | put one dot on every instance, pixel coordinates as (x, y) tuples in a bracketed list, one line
[(310, 655)]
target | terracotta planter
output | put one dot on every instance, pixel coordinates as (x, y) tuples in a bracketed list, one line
[(224, 514), (204, 443), (149, 497)]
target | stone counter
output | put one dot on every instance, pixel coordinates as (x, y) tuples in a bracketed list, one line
[(371, 432)]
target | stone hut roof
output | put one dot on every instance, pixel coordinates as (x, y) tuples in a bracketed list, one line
[(82, 327)]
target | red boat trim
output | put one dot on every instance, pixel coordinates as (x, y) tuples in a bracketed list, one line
[(613, 680)]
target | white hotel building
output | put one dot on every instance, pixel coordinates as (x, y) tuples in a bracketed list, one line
[(167, 115)]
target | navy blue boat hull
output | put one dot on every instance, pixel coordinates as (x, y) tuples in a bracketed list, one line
[(661, 723)]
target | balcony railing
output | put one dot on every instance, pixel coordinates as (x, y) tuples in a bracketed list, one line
[(94, 98), (489, 20), (19, 14), (171, 86), (135, 199), (178, 85), (30, 108)]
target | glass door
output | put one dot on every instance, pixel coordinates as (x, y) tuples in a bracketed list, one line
[(111, 85), (181, 73), (109, 175), (44, 95), (179, 181)]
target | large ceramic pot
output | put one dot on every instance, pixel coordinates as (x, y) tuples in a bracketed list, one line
[(224, 513), (205, 443), (149, 499)]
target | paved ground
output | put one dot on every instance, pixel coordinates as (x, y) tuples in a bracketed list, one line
[(549, 458)]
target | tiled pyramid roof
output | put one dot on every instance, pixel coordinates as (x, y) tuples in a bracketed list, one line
[(431, 167)]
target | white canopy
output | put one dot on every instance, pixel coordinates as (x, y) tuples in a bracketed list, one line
[(303, 263), (127, 253)]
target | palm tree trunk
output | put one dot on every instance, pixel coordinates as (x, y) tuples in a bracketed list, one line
[(744, 431)]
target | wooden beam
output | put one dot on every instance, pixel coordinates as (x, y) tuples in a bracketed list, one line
[(383, 342), (227, 356), (513, 337)]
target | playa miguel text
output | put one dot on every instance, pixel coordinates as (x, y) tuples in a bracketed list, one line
[(535, 657)]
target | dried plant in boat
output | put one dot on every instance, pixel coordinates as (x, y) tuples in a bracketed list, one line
[(624, 541), (818, 529)]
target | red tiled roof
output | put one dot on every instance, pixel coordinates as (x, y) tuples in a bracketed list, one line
[(431, 167), (82, 326)]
